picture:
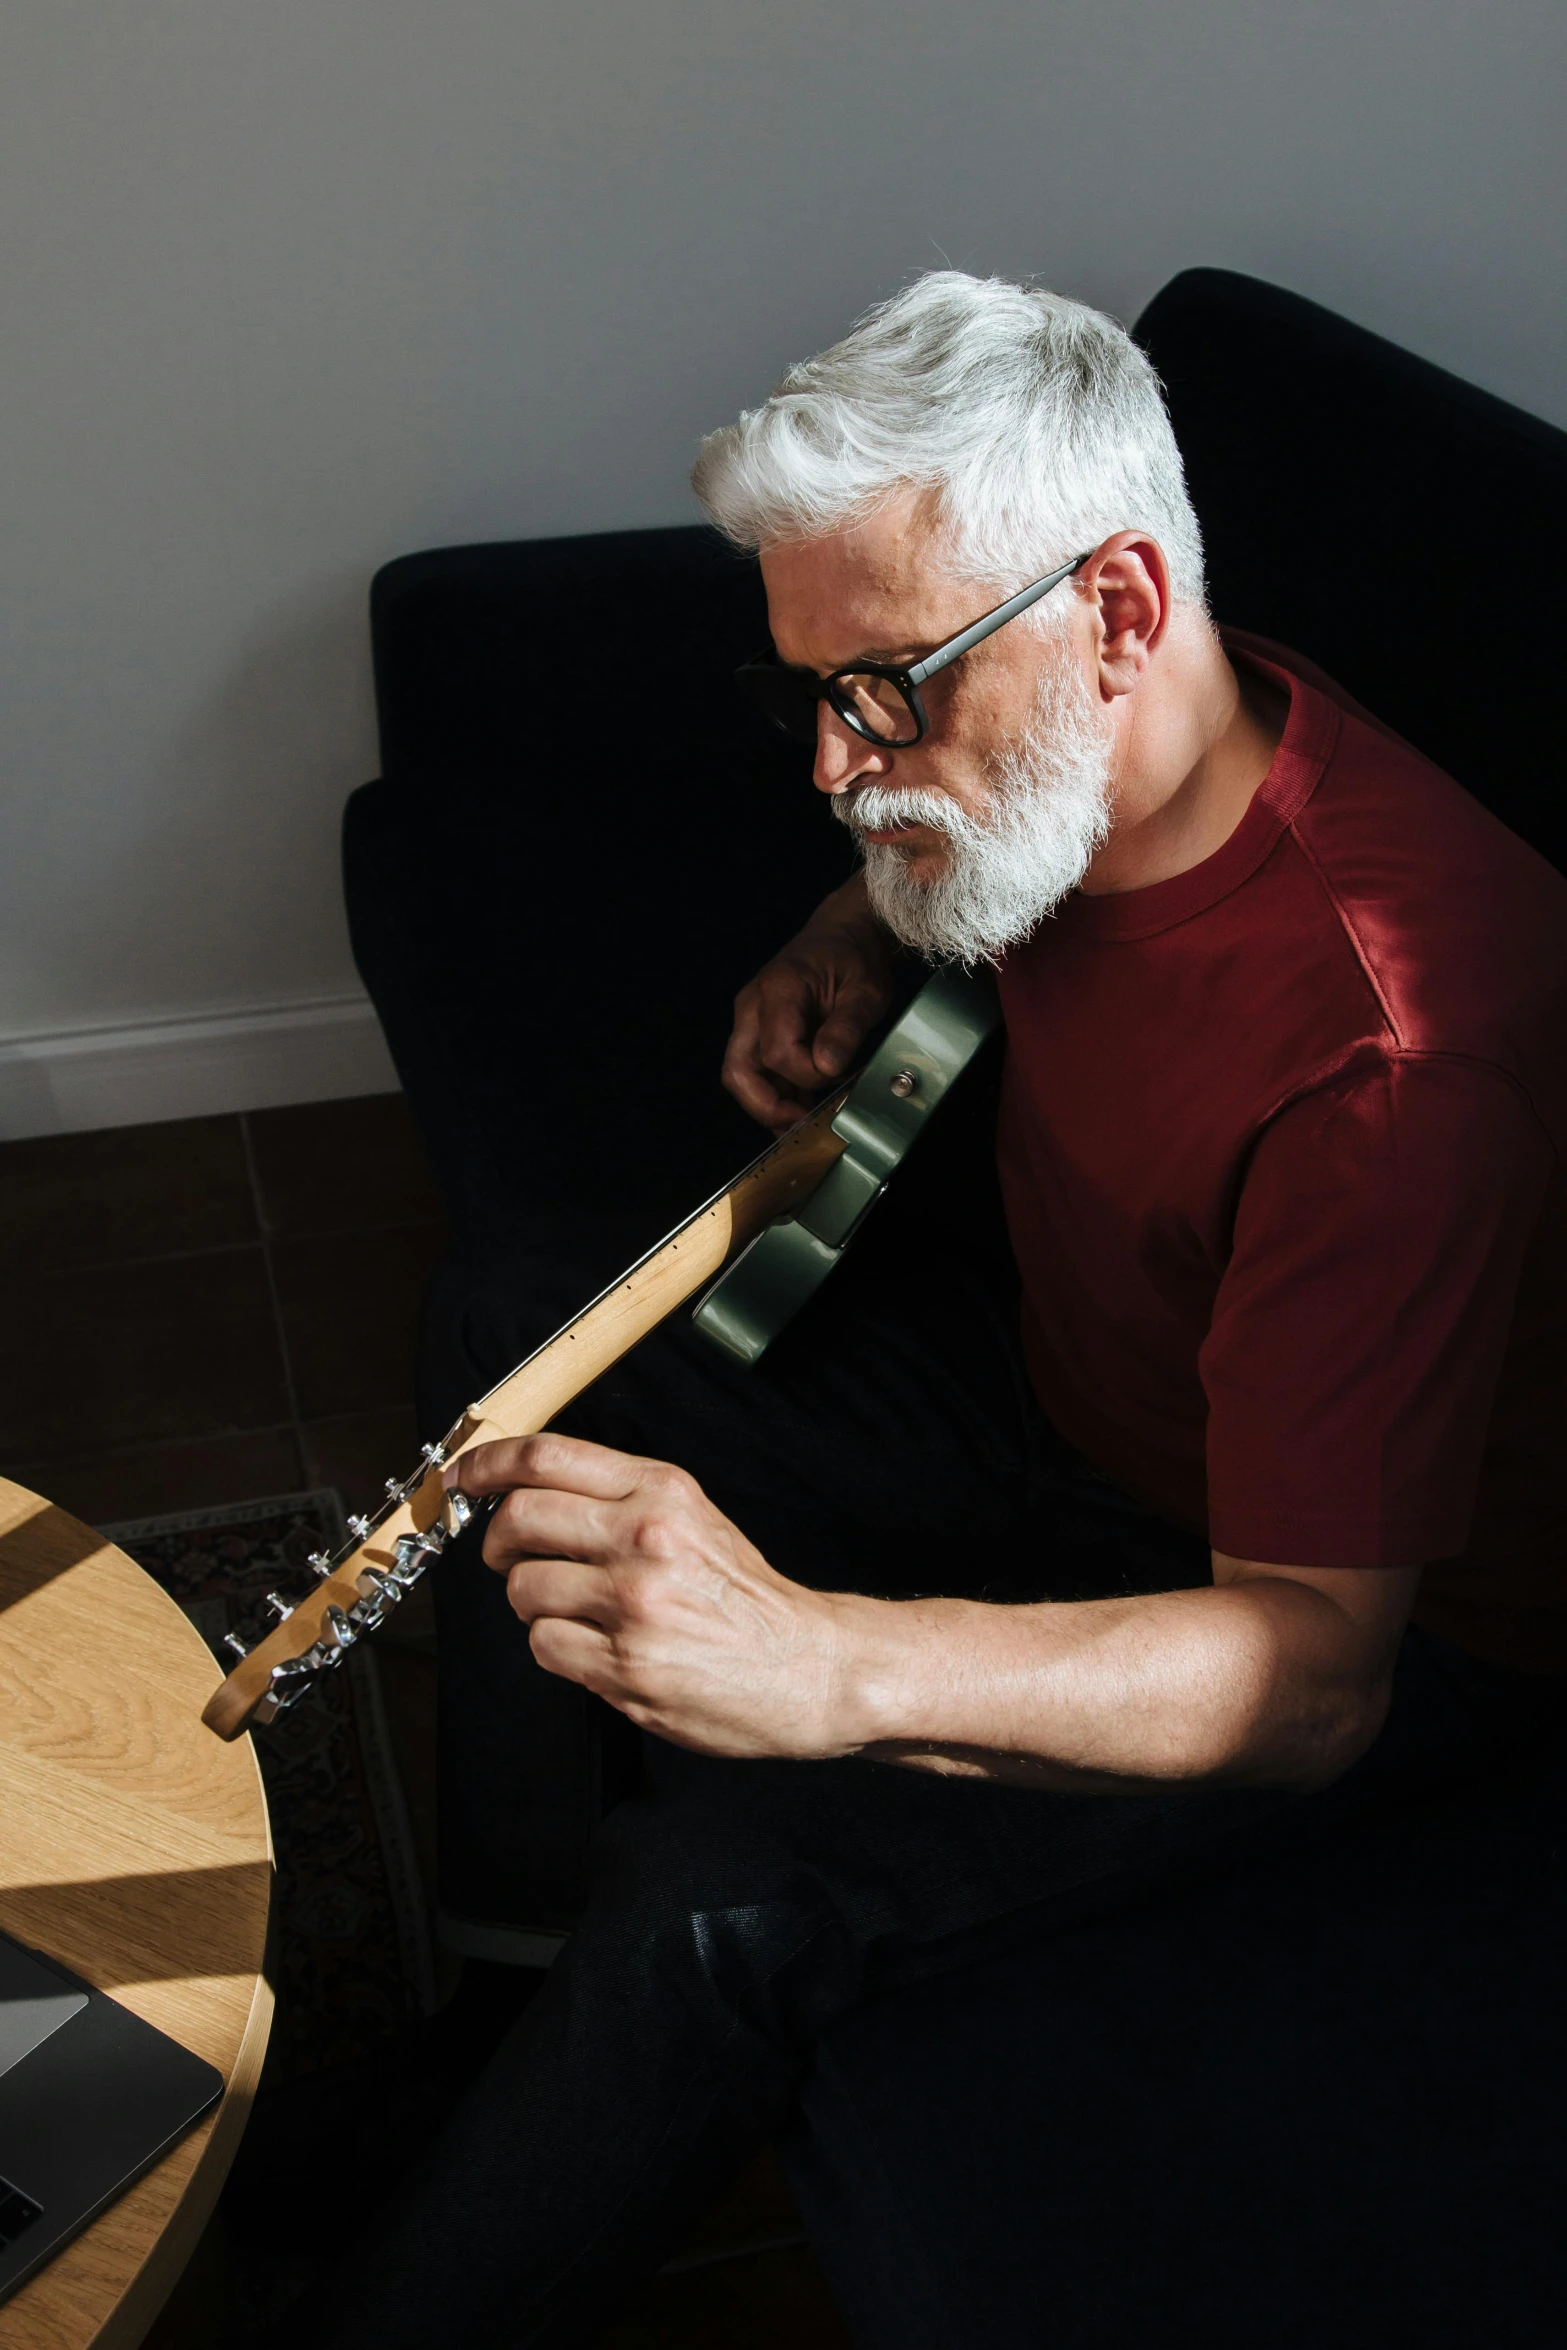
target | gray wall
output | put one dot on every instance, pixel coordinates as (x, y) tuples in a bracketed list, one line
[(290, 286)]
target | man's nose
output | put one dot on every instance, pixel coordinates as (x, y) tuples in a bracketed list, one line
[(842, 756)]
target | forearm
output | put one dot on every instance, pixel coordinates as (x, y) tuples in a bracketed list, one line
[(1251, 1683), (635, 1585)]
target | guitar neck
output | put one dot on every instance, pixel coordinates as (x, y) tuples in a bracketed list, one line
[(530, 1397)]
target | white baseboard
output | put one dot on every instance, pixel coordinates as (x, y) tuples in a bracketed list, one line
[(191, 1066)]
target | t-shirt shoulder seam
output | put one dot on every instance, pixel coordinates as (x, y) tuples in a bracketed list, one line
[(1492, 1068), (1377, 1054), (1346, 923)]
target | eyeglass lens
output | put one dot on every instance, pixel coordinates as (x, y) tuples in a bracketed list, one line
[(874, 706)]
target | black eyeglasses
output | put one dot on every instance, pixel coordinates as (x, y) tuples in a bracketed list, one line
[(881, 703)]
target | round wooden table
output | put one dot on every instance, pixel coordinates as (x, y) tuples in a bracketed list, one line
[(134, 1848)]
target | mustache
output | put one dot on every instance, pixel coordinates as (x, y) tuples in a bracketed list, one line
[(878, 807)]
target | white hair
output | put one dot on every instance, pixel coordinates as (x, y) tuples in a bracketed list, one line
[(1009, 864), (1035, 424)]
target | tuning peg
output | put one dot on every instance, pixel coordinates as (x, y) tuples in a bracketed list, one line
[(280, 1606), (321, 1562), (359, 1528), (386, 1587), (456, 1511), (297, 1668), (232, 1640), (343, 1630), (414, 1552)]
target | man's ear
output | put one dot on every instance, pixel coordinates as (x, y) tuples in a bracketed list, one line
[(1128, 581)]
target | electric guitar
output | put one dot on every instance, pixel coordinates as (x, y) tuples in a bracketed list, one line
[(757, 1251)]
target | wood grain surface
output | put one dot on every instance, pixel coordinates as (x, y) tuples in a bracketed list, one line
[(134, 1848)]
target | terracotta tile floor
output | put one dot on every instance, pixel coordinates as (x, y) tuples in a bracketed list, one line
[(213, 1309)]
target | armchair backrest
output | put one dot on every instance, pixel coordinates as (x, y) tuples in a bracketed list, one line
[(581, 843), (1394, 524)]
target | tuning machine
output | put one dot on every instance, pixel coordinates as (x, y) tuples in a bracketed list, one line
[(344, 1630), (460, 1509), (457, 1510), (412, 1553)]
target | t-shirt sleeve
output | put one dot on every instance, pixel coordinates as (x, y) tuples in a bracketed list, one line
[(1361, 1323)]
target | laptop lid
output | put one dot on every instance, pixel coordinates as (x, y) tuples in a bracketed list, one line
[(90, 2097)]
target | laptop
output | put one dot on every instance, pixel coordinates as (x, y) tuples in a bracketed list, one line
[(90, 2097)]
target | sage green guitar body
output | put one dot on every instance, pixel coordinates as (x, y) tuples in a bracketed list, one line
[(883, 1115)]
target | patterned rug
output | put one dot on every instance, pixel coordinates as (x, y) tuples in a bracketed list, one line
[(349, 1919)]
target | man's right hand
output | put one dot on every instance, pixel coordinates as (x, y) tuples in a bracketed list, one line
[(803, 1017)]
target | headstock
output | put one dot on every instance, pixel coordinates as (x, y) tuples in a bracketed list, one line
[(868, 1125), (390, 1549), (859, 1133), (356, 1588)]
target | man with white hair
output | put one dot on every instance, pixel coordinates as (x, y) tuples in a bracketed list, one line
[(973, 1613)]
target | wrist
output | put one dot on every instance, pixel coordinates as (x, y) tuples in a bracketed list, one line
[(887, 1670)]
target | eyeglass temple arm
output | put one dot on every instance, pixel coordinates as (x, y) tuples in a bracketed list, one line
[(993, 620)]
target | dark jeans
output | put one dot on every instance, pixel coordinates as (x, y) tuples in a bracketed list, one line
[(890, 1444)]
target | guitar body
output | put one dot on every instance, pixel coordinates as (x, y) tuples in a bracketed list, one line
[(879, 1122), (779, 1229)]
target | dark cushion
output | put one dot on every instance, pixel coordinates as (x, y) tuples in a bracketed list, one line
[(581, 844), (1392, 523)]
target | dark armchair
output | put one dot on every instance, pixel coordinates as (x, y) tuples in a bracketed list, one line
[(1297, 2109)]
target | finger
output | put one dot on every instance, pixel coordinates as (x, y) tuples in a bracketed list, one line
[(744, 1029), (561, 1587), (792, 1107), (740, 1052), (769, 1103), (755, 1091), (544, 1523), (844, 1031), (577, 1652), (743, 1074), (789, 1018), (567, 1463)]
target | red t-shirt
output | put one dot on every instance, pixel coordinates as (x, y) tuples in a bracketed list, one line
[(1282, 1145)]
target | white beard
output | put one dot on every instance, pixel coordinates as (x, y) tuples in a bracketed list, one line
[(1007, 868)]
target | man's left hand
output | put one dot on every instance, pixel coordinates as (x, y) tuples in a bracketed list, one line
[(634, 1585)]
